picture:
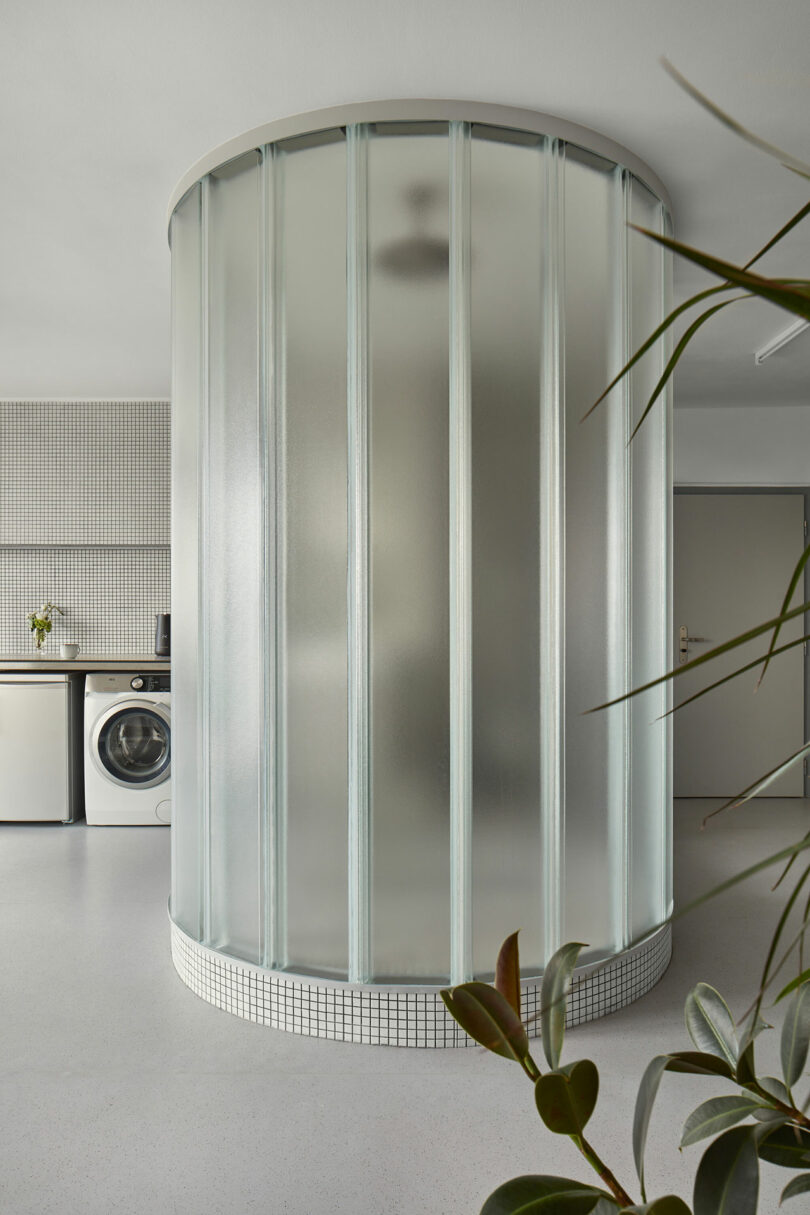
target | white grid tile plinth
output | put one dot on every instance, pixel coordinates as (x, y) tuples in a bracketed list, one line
[(397, 1016)]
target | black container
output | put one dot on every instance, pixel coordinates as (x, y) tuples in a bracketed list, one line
[(163, 634)]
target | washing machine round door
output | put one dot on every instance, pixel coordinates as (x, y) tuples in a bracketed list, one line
[(131, 744)]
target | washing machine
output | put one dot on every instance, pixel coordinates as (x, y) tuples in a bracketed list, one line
[(127, 749)]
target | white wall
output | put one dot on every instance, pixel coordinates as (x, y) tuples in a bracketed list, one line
[(746, 445)]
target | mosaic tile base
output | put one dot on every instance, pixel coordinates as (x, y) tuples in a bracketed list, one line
[(397, 1016)]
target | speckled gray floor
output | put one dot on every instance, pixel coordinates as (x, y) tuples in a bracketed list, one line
[(122, 1092)]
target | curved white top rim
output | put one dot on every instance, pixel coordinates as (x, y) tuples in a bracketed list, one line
[(412, 110)]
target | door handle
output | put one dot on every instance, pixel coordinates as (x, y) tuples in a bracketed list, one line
[(683, 647)]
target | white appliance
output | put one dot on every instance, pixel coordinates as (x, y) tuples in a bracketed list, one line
[(127, 749), (39, 781)]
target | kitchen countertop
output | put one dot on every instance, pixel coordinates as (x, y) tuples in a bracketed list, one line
[(48, 664)]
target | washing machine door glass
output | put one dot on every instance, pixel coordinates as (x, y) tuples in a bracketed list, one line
[(134, 746)]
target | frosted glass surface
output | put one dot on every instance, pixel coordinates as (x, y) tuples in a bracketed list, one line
[(234, 595), (589, 299), (187, 773), (507, 219), (434, 497), (650, 490), (313, 509), (408, 344)]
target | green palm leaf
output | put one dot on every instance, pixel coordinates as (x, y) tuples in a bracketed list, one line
[(794, 582), (709, 656), (786, 158), (749, 666), (795, 298)]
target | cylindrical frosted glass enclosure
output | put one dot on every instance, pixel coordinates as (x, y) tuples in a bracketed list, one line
[(404, 567)]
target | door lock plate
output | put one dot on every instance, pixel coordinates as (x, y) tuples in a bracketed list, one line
[(683, 643)]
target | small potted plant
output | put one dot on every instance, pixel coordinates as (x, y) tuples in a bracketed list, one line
[(40, 623)]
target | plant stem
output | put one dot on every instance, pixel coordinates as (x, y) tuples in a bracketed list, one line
[(530, 1068), (790, 1110), (599, 1166)]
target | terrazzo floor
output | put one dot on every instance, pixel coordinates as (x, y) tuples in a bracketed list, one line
[(122, 1092)]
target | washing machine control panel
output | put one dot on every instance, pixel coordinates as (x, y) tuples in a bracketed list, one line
[(150, 683)]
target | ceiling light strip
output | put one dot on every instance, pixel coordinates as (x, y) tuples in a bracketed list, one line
[(781, 339)]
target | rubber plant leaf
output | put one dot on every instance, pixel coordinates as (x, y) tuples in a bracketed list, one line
[(556, 978), (746, 1067), (716, 1115), (566, 1099), (799, 1185), (645, 1100), (684, 1061), (543, 1195), (699, 1063), (775, 1088), (507, 972), (668, 1205), (787, 1146), (488, 1018), (796, 1034), (727, 1179), (751, 1028), (710, 1023)]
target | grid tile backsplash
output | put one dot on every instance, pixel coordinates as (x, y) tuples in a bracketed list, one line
[(84, 522)]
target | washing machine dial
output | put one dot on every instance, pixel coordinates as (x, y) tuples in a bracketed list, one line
[(136, 684)]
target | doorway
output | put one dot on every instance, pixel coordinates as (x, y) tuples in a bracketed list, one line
[(734, 553)]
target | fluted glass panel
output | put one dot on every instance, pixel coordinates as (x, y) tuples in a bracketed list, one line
[(507, 229), (187, 383), (404, 568), (589, 349), (232, 558), (650, 492), (312, 482), (408, 353), (551, 613), (667, 585)]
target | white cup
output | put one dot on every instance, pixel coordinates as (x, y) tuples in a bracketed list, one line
[(69, 649)]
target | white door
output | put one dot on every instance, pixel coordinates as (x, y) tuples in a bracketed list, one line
[(734, 556)]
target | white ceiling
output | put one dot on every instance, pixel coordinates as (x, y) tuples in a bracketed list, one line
[(106, 104)]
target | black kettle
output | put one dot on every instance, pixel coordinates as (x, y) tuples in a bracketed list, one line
[(163, 634)]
